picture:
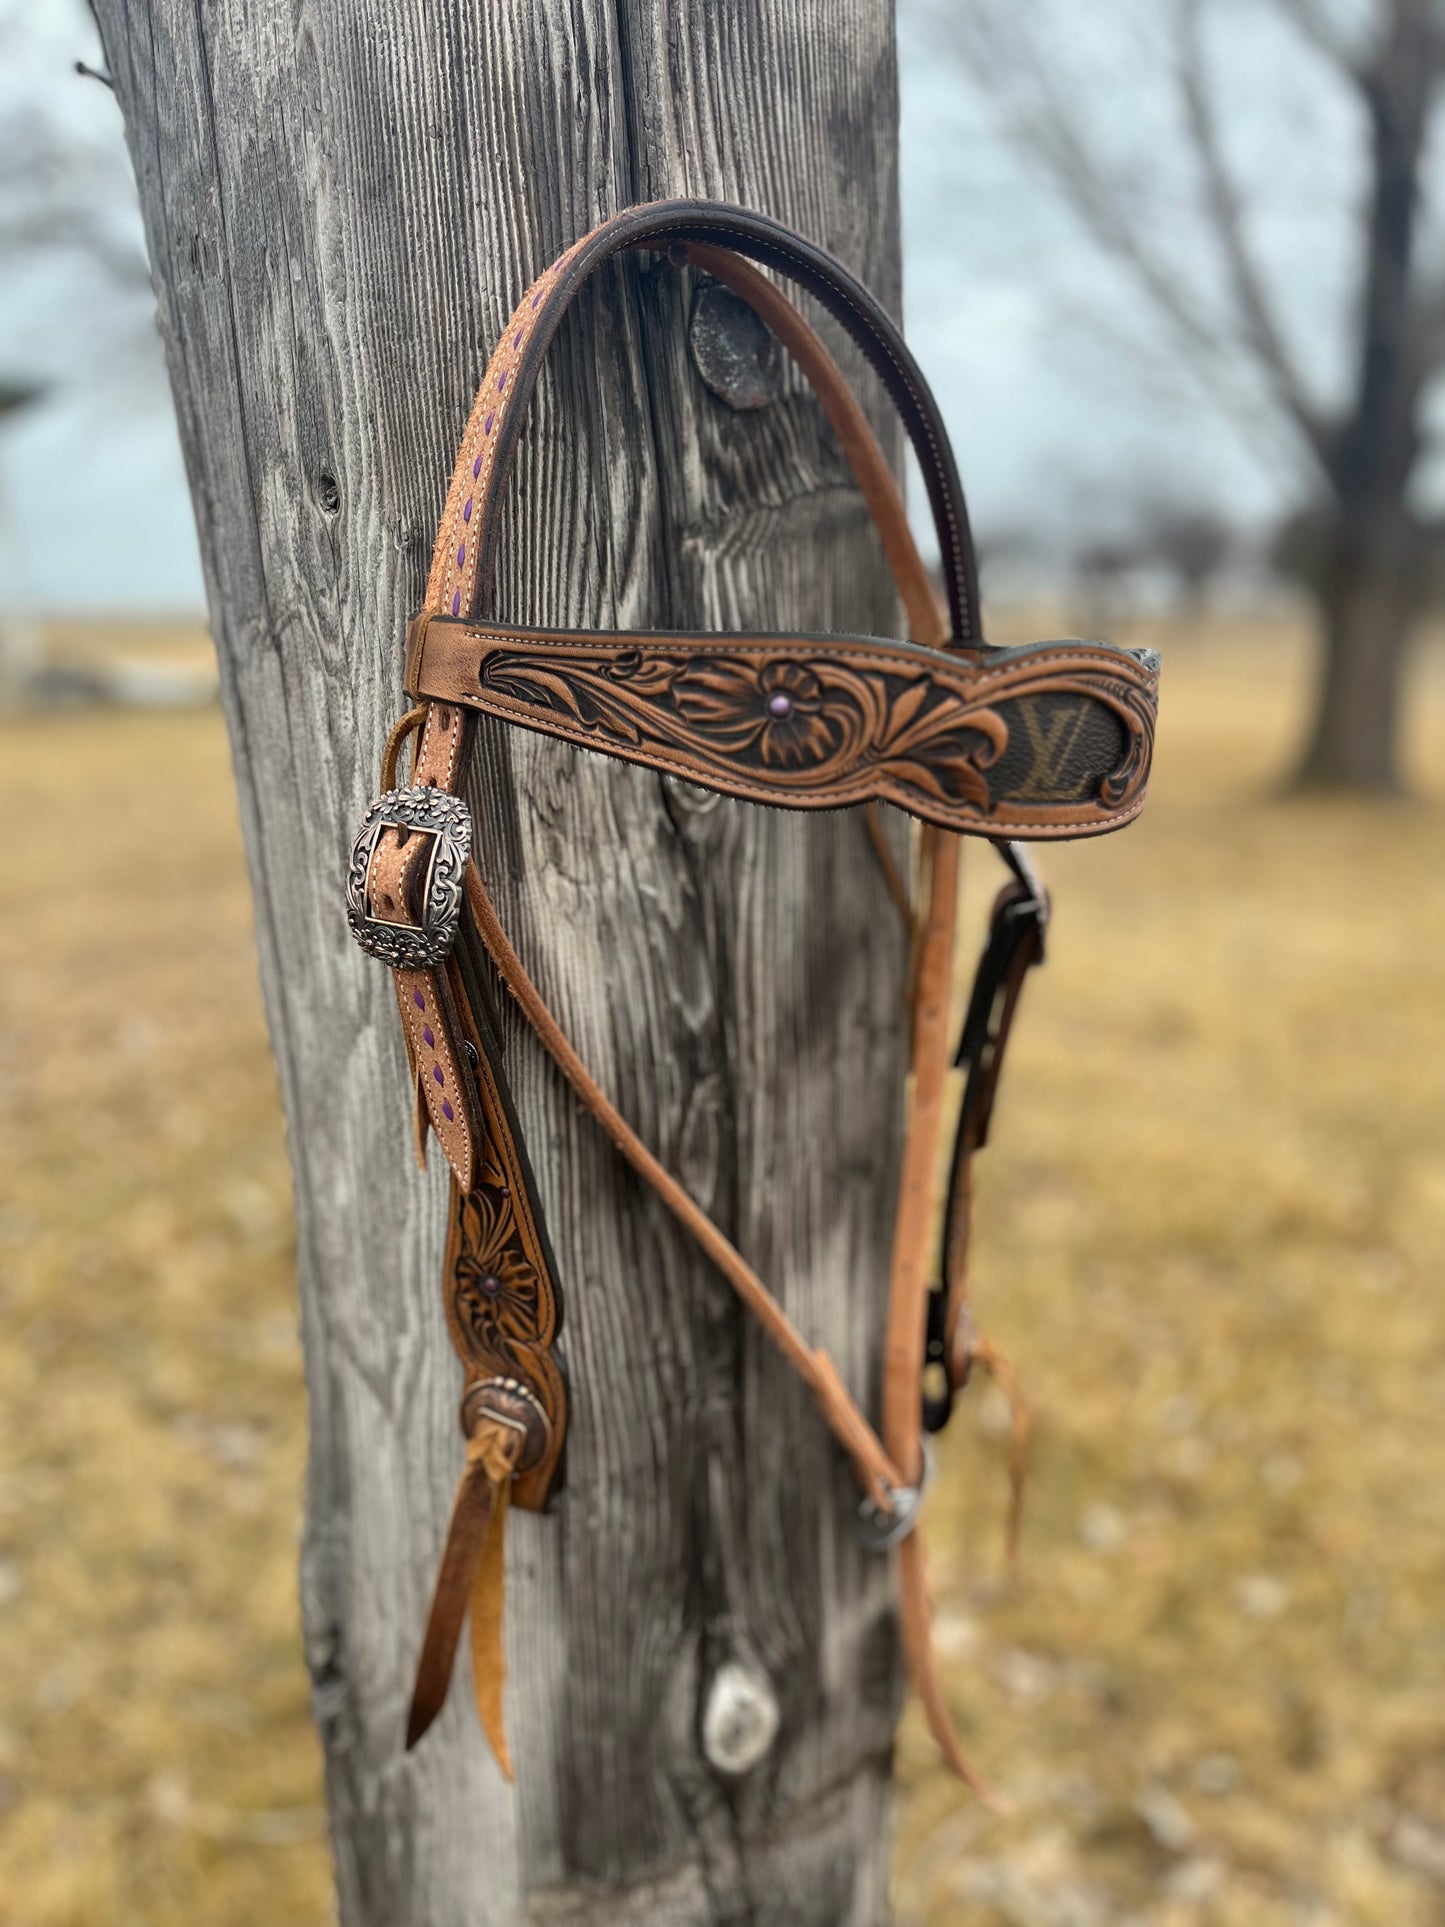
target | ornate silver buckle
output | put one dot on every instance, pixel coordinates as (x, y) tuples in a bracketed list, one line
[(442, 817)]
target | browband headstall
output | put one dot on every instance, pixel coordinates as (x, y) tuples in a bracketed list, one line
[(1045, 742)]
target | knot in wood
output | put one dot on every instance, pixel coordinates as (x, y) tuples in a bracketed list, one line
[(734, 350), (740, 1721)]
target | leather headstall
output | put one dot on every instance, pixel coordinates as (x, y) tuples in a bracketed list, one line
[(1045, 742)]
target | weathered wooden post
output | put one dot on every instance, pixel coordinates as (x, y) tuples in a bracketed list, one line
[(342, 202)]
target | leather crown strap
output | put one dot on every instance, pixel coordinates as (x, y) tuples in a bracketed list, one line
[(1051, 741)]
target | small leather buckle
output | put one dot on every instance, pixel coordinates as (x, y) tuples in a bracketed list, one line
[(442, 817)]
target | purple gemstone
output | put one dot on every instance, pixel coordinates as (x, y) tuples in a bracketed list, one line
[(780, 705), (491, 1284), (477, 464), (418, 1000), (457, 603), (502, 380), (426, 1036), (447, 1112), (467, 509), (536, 300), (487, 428), (436, 1071), (461, 553), (517, 339)]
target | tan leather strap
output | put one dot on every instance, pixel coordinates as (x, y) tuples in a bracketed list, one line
[(875, 1466), (1045, 742), (908, 1276), (878, 1475)]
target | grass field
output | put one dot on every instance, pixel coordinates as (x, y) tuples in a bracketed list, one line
[(1212, 1220)]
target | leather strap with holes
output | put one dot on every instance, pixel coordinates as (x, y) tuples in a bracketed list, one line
[(1054, 741)]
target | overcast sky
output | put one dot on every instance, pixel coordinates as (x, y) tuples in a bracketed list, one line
[(1015, 318)]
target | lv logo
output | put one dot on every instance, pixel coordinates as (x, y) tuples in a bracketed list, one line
[(1051, 740)]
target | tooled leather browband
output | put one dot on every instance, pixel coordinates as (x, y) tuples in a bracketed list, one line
[(1049, 741)]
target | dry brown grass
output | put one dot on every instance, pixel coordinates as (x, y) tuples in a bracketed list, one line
[(1211, 1225), (157, 1765)]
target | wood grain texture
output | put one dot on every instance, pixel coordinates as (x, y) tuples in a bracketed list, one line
[(342, 199)]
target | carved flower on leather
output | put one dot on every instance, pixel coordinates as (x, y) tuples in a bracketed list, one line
[(776, 710), (497, 1293)]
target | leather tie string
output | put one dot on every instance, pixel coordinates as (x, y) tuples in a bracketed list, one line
[(471, 1580)]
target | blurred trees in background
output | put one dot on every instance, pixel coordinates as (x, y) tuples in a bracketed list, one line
[(76, 306), (64, 188), (1180, 203)]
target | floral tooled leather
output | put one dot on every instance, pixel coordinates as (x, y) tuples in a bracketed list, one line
[(1049, 741)]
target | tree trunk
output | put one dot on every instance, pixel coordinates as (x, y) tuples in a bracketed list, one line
[(342, 201), (1369, 602), (1372, 588)]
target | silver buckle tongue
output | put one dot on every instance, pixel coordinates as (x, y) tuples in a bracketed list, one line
[(434, 813), (878, 1530)]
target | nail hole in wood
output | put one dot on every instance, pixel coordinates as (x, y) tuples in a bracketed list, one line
[(733, 349)]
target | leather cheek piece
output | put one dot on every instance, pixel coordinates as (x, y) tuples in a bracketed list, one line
[(1049, 741)]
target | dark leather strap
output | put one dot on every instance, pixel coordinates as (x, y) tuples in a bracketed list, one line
[(1050, 741), (1015, 944)]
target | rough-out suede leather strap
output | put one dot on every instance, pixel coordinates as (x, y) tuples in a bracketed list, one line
[(1054, 741)]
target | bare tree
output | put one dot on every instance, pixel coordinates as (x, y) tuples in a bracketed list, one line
[(73, 269), (1191, 541), (60, 190), (1357, 445), (1102, 564)]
